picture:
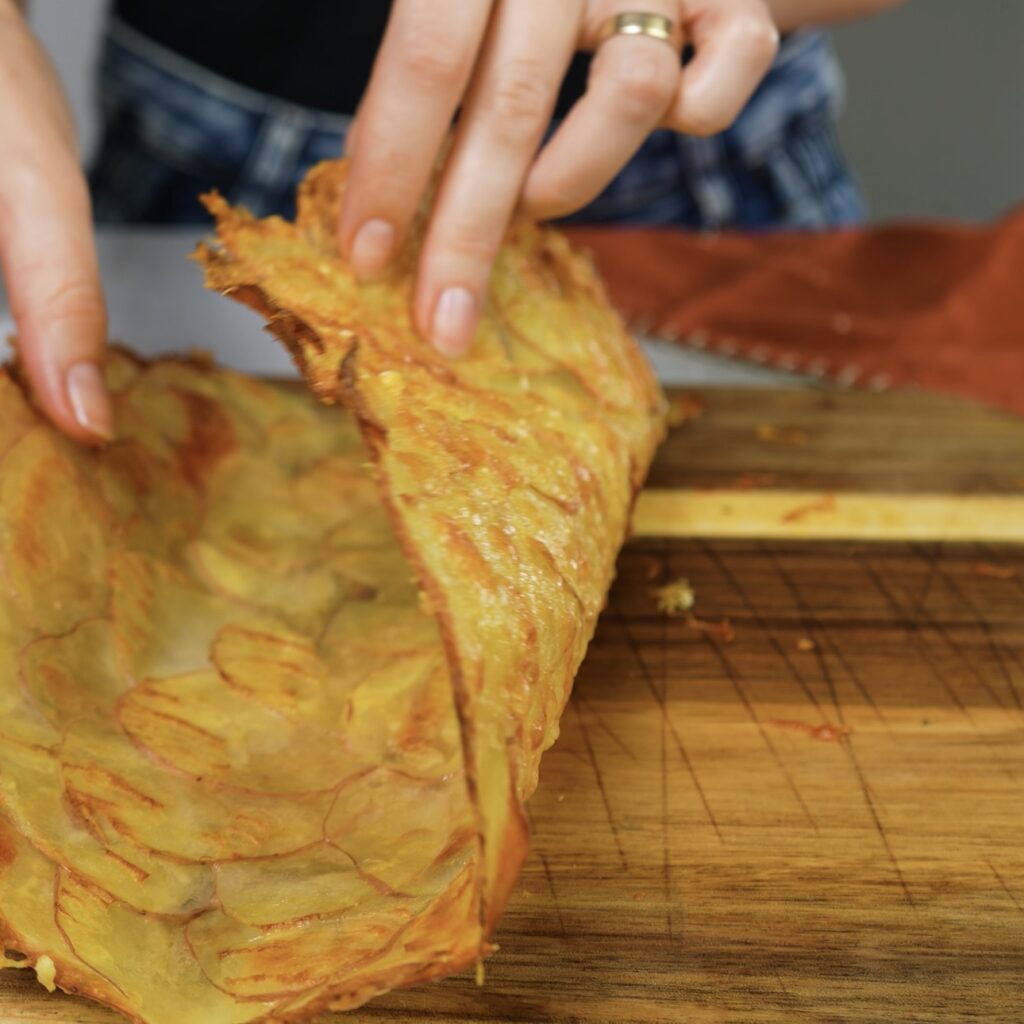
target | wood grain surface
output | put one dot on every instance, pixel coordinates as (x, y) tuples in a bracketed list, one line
[(820, 819)]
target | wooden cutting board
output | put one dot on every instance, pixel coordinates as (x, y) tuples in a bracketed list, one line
[(819, 817)]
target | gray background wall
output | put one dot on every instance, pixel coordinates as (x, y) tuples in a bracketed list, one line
[(935, 115), (934, 121)]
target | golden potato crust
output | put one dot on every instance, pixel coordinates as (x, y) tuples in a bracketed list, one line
[(277, 677)]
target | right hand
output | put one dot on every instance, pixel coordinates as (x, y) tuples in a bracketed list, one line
[(47, 250), (501, 62)]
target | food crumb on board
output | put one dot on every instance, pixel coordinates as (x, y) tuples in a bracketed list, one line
[(678, 598), (652, 569), (684, 409), (994, 572), (753, 481), (770, 433), (825, 732), (46, 973), (719, 630), (826, 503), (805, 644), (743, 482)]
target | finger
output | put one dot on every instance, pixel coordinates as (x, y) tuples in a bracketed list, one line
[(633, 80), (419, 77), (529, 46), (734, 47), (53, 283)]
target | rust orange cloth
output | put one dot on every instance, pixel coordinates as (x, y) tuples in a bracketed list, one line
[(940, 306)]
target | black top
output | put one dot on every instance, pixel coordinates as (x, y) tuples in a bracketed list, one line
[(316, 53)]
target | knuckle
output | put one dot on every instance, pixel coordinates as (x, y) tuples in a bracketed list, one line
[(74, 301), (463, 247), (431, 58), (642, 88), (518, 102), (388, 184), (759, 38), (79, 300)]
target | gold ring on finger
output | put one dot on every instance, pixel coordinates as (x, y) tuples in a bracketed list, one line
[(640, 23)]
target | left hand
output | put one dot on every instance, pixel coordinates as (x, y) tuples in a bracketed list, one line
[(501, 62)]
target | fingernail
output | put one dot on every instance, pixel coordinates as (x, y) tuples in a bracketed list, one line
[(89, 401), (372, 249), (454, 321)]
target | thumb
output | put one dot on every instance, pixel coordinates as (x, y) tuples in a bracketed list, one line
[(50, 266)]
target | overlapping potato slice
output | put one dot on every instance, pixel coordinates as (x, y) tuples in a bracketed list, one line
[(186, 746), (509, 475), (275, 678)]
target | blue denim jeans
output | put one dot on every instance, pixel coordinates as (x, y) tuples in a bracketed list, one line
[(172, 130)]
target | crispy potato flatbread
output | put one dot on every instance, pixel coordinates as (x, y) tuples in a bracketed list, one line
[(276, 677)]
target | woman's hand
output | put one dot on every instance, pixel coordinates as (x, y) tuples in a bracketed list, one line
[(46, 243), (501, 62)]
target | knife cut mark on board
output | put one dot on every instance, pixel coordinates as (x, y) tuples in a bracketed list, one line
[(733, 675), (869, 800), (939, 628), (914, 632), (666, 845), (828, 642), (983, 625), (599, 778), (551, 886), (812, 627), (927, 655), (1002, 882), (760, 622), (662, 702), (603, 725)]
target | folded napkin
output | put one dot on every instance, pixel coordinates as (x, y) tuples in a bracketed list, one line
[(938, 306)]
